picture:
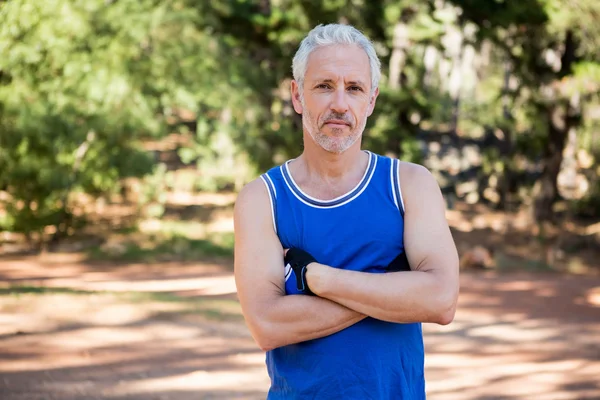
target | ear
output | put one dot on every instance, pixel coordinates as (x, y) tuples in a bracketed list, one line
[(295, 89), (372, 102)]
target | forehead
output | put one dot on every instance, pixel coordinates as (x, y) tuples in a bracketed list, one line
[(347, 62)]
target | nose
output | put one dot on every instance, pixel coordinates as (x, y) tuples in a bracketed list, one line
[(339, 103)]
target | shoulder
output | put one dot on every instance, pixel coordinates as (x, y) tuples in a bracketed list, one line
[(406, 169), (252, 200), (417, 181), (411, 175), (415, 173)]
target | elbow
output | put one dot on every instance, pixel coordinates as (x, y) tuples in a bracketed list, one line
[(445, 317), (263, 336), (265, 343), (263, 326), (266, 348), (446, 309)]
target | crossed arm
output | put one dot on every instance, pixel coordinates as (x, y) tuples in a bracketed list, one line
[(273, 318), (427, 293)]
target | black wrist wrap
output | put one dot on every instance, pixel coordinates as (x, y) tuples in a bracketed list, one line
[(298, 260)]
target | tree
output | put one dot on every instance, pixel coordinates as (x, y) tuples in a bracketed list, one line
[(81, 83), (551, 47)]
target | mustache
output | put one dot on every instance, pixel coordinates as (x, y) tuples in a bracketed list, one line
[(338, 116)]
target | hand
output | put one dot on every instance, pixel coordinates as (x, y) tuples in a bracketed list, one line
[(298, 260)]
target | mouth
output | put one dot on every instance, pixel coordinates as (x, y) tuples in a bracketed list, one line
[(337, 123)]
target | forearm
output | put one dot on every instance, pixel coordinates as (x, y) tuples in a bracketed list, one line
[(297, 318), (413, 296)]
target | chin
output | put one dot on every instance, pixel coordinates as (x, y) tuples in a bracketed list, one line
[(337, 146), (334, 150), (335, 141), (336, 131)]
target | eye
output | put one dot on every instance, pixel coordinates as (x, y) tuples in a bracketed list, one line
[(323, 86), (355, 89)]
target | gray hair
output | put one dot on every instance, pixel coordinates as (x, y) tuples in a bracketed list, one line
[(332, 34)]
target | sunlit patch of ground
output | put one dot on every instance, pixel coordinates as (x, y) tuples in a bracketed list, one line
[(515, 336), (67, 344)]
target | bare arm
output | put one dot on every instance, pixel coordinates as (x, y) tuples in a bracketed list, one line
[(427, 293), (273, 318)]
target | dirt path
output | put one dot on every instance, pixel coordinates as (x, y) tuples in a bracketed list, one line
[(516, 336)]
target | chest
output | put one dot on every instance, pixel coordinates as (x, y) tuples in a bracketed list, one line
[(359, 235), (364, 235)]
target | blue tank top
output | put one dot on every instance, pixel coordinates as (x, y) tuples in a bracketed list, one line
[(362, 231)]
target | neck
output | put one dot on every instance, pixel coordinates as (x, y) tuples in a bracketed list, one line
[(317, 162)]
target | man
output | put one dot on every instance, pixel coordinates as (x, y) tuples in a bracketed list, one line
[(337, 322)]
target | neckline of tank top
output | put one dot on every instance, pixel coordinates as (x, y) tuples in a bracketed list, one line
[(338, 201)]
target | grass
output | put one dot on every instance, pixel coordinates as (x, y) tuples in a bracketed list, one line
[(212, 309), (169, 248), (510, 263), (17, 290)]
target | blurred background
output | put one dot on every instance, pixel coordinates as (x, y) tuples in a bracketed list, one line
[(127, 128)]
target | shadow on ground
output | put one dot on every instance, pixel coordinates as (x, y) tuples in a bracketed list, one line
[(518, 336), (87, 335)]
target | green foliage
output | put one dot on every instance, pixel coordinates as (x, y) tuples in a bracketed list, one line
[(84, 83), (75, 99), (390, 129)]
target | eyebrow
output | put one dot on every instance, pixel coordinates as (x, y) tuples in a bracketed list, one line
[(353, 82), (358, 83)]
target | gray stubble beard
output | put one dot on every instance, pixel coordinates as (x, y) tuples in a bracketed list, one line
[(329, 144)]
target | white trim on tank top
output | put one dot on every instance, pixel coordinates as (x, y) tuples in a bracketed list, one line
[(400, 188), (271, 200), (392, 163), (366, 184)]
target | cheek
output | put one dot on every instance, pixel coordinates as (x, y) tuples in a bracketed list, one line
[(316, 111), (319, 105), (362, 112)]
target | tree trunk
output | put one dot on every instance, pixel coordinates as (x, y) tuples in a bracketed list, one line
[(65, 217), (558, 131), (455, 49), (398, 57), (430, 58), (561, 116), (507, 181)]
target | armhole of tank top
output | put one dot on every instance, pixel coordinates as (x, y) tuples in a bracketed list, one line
[(272, 198), (396, 191)]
